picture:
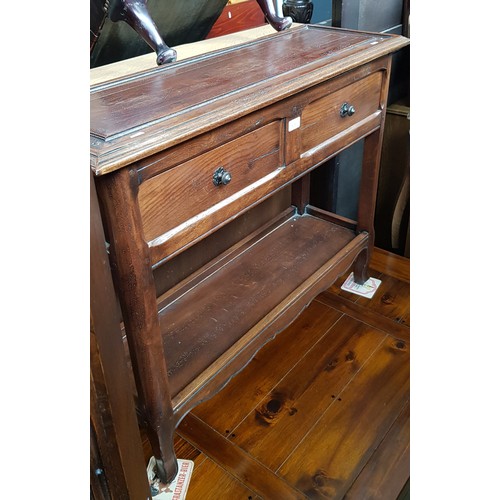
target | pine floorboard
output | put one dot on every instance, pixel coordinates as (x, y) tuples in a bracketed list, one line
[(322, 411)]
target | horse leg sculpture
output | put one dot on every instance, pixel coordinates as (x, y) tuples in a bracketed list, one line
[(135, 13)]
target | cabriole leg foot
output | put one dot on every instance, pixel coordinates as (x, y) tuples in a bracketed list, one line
[(166, 471), (278, 23)]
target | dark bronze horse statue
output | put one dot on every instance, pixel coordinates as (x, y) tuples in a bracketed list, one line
[(169, 16)]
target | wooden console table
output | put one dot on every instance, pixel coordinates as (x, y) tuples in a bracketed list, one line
[(181, 151)]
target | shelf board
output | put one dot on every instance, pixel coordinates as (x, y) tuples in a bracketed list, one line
[(221, 317)]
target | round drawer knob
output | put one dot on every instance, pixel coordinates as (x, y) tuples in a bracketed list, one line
[(221, 177), (347, 110)]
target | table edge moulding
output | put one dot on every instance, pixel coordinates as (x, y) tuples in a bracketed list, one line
[(180, 151)]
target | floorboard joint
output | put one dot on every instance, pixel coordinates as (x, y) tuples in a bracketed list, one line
[(236, 461), (360, 313)]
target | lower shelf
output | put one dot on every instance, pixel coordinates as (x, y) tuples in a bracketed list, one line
[(218, 319)]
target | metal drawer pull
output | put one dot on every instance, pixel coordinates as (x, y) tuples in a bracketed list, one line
[(221, 177), (346, 110)]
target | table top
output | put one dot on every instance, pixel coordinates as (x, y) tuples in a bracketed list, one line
[(145, 112)]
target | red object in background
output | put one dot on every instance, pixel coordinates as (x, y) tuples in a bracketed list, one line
[(238, 17)]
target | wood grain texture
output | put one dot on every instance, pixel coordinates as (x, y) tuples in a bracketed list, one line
[(392, 300), (135, 287), (235, 358), (191, 189), (164, 182), (267, 273), (236, 17), (292, 407), (385, 475), (112, 409), (374, 455), (287, 390), (341, 443), (267, 368), (215, 245), (209, 83), (211, 482), (391, 264), (319, 126)]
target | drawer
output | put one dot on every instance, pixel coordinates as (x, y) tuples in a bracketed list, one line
[(322, 119), (253, 161)]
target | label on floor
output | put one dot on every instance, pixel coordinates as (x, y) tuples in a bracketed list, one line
[(367, 290), (177, 489)]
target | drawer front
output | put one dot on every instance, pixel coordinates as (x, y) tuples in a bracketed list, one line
[(330, 115), (200, 205)]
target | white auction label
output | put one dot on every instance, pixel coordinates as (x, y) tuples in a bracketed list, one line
[(367, 289), (294, 124)]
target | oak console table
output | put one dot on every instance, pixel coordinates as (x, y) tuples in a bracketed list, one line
[(181, 151)]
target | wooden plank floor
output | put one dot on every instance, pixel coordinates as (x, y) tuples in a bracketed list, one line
[(322, 411)]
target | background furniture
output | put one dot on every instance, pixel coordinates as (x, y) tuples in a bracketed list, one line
[(237, 16), (392, 217)]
